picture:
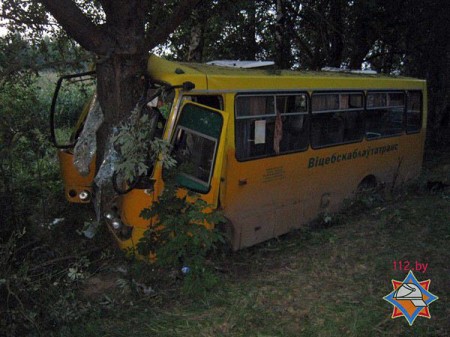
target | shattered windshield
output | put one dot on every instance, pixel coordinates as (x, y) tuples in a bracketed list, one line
[(163, 100)]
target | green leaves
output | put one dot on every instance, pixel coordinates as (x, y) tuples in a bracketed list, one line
[(137, 146), (180, 236)]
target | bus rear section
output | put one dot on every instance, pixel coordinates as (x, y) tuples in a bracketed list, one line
[(299, 154)]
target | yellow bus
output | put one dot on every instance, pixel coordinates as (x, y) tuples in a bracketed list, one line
[(274, 149)]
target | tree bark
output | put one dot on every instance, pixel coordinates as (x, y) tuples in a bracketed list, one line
[(90, 36), (336, 39), (122, 45), (279, 35), (196, 42)]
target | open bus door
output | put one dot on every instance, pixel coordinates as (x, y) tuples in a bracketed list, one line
[(74, 119), (71, 103), (198, 146)]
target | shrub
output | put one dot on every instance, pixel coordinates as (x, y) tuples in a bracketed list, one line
[(181, 238)]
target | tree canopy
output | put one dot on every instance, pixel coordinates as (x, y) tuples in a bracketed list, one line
[(408, 38)]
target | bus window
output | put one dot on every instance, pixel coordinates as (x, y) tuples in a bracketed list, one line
[(267, 125), (295, 122), (385, 114), (212, 101), (414, 111), (195, 145), (336, 118)]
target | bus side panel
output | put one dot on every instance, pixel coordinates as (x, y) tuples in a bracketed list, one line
[(264, 198), (268, 197), (74, 182)]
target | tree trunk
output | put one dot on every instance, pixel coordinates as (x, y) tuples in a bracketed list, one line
[(196, 42), (282, 47), (119, 87), (250, 33), (336, 27)]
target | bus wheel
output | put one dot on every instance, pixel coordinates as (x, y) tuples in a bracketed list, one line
[(227, 230), (369, 183)]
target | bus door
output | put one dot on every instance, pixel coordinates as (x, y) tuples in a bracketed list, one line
[(72, 101), (74, 119), (198, 147), (265, 194)]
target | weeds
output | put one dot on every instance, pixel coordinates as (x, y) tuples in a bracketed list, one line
[(42, 260), (181, 239)]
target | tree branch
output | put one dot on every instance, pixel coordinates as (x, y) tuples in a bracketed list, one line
[(181, 13), (79, 27)]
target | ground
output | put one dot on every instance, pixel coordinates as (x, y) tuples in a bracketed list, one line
[(328, 280)]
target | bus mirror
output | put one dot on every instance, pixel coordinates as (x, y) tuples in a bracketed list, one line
[(188, 86)]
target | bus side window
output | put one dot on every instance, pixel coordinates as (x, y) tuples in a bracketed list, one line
[(268, 125), (414, 111), (295, 122), (255, 126), (385, 114), (336, 118), (213, 101)]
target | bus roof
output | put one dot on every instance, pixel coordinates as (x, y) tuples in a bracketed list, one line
[(217, 78)]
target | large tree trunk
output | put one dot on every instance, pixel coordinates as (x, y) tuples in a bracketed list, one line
[(197, 40), (335, 28), (119, 87), (282, 45)]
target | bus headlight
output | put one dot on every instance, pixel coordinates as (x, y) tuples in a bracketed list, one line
[(84, 196), (109, 216), (116, 224)]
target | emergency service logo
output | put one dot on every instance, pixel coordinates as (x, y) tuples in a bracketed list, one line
[(411, 298)]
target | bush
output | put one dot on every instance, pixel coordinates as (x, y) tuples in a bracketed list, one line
[(36, 291), (181, 239)]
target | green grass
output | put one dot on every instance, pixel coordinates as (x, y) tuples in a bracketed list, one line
[(312, 282)]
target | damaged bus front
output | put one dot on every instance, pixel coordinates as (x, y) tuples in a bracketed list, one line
[(271, 149), (192, 129)]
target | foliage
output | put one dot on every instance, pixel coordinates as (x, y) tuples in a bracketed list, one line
[(325, 282), (136, 143), (28, 169), (224, 27), (39, 267), (40, 280), (387, 36), (180, 236)]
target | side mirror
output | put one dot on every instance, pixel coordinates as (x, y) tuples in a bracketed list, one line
[(188, 86)]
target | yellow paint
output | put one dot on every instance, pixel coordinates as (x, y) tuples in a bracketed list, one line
[(74, 182), (267, 197)]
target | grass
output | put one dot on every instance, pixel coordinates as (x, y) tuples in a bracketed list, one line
[(312, 282)]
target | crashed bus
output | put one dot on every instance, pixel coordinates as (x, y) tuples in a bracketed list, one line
[(271, 149)]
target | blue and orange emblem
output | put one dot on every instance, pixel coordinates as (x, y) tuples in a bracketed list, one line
[(411, 298)]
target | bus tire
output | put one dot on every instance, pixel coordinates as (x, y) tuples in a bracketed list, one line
[(369, 183)]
